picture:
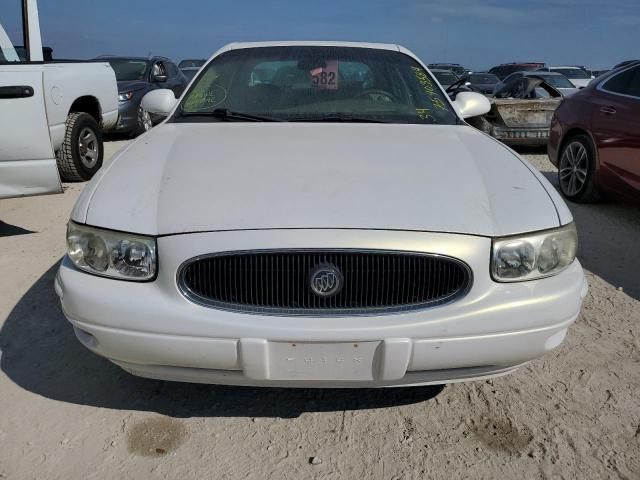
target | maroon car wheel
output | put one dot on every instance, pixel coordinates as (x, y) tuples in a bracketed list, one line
[(576, 170)]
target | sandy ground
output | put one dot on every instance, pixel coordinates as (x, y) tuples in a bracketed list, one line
[(68, 414)]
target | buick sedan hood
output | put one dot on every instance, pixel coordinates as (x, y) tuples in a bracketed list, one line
[(234, 175)]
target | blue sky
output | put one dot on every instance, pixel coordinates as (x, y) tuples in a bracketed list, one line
[(476, 33)]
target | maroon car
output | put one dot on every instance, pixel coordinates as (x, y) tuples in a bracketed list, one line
[(595, 138)]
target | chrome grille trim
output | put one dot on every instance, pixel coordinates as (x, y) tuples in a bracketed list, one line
[(382, 301)]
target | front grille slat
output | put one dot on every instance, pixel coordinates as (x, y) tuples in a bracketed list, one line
[(277, 282)]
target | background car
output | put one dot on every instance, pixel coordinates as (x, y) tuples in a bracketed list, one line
[(556, 80), (623, 64), (446, 78), (136, 76), (52, 113), (456, 68), (579, 76), (190, 67), (483, 82), (191, 63), (595, 139), (521, 111), (502, 71)]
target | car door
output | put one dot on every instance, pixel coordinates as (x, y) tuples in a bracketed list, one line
[(175, 80), (616, 129), (27, 161)]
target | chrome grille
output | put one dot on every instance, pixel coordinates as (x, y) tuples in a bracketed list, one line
[(277, 281)]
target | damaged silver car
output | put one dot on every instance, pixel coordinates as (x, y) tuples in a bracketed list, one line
[(521, 111)]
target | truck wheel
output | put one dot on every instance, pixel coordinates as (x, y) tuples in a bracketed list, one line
[(144, 122), (80, 156), (576, 170)]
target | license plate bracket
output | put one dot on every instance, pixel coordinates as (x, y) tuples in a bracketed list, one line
[(346, 361)]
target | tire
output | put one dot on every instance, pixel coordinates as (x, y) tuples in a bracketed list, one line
[(144, 123), (576, 170), (80, 155)]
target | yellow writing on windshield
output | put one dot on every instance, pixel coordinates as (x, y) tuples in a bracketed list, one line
[(425, 114), (435, 97), (205, 94)]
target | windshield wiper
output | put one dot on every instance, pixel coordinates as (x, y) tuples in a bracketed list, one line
[(226, 114), (337, 117)]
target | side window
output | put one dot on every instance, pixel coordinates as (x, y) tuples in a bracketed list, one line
[(625, 83), (634, 86), (171, 69), (12, 32), (512, 77)]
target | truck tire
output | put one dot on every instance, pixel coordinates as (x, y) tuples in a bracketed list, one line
[(80, 155)]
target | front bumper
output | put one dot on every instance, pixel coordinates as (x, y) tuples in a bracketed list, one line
[(127, 116), (524, 136), (151, 330)]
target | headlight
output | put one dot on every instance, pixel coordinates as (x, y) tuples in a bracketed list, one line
[(111, 254), (125, 96), (535, 255)]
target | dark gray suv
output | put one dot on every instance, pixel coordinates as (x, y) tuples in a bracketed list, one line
[(137, 76)]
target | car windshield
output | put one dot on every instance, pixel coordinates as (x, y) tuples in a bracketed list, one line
[(445, 78), (314, 83), (128, 69), (558, 81), (483, 78), (576, 73)]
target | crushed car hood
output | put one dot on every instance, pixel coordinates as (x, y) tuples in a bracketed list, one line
[(183, 177)]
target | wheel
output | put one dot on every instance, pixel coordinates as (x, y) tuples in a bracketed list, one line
[(80, 156), (576, 170), (144, 122)]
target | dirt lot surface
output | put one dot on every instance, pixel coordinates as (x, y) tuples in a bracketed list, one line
[(68, 414)]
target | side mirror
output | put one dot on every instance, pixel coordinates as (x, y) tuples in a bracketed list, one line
[(160, 102), (471, 104), (158, 78)]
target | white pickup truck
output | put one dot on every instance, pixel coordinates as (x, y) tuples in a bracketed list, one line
[(52, 113)]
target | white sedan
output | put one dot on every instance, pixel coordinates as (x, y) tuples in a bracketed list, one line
[(319, 215)]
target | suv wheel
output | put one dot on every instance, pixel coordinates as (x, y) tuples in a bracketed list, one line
[(145, 123), (576, 170), (80, 156)]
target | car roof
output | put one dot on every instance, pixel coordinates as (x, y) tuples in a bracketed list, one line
[(575, 67), (529, 73), (315, 43), (127, 57), (519, 63), (311, 43)]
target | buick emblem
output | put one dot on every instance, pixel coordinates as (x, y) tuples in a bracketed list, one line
[(325, 280)]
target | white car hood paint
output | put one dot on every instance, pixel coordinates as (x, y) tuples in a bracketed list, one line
[(236, 175)]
